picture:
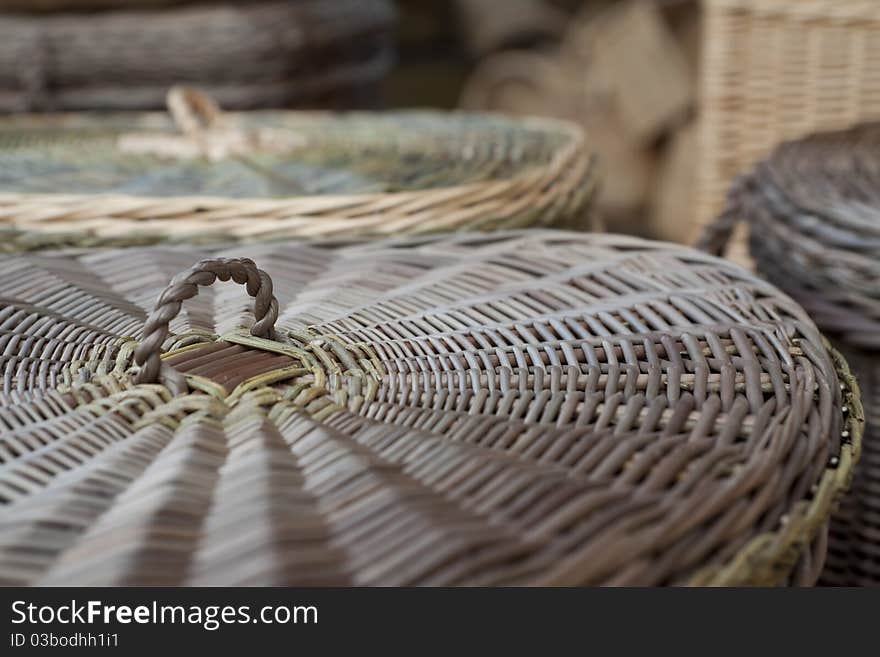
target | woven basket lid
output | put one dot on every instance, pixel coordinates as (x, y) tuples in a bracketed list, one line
[(535, 407), (78, 180), (813, 208)]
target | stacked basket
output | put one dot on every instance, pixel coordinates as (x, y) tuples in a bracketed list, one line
[(775, 70), (518, 408), (813, 210), (76, 180), (95, 54)]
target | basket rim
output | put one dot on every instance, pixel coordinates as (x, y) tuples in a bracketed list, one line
[(576, 137), (757, 562)]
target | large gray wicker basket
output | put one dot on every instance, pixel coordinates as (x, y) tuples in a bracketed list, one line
[(509, 408), (813, 210), (264, 53)]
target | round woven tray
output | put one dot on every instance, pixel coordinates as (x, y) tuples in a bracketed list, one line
[(304, 53), (813, 209), (78, 180), (532, 407)]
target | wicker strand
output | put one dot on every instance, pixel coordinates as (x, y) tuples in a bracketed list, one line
[(185, 286)]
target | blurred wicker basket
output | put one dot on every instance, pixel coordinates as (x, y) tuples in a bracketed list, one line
[(775, 70), (531, 407), (30, 6), (247, 55), (84, 181), (813, 212)]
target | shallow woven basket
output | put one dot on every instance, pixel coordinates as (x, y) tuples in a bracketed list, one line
[(304, 53), (813, 211), (122, 179), (775, 70), (84, 5), (534, 407)]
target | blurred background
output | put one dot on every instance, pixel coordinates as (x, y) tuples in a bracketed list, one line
[(672, 127)]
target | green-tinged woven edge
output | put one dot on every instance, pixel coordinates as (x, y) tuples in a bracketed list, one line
[(768, 559)]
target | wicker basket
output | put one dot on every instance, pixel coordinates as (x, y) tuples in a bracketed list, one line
[(775, 70), (813, 210), (620, 73), (77, 180), (33, 6), (247, 55), (532, 407)]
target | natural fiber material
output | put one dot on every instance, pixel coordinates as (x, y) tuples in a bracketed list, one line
[(120, 180), (775, 70), (304, 53), (620, 73), (813, 211), (517, 408)]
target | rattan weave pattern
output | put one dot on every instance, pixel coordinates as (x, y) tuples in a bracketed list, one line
[(76, 181), (536, 407), (813, 211)]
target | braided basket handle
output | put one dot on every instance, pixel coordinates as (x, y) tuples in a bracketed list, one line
[(193, 111), (185, 286)]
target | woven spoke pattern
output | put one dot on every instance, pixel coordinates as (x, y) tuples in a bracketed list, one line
[(813, 210), (514, 408)]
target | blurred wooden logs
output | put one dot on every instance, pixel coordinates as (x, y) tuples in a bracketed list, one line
[(34, 6)]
